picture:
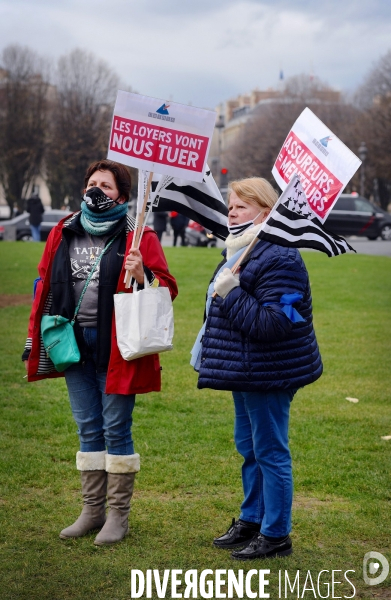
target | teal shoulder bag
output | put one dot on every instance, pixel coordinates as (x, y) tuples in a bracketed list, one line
[(58, 334)]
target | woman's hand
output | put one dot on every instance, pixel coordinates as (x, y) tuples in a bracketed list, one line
[(134, 264), (225, 282)]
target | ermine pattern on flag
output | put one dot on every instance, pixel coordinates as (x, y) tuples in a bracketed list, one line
[(201, 202), (292, 223)]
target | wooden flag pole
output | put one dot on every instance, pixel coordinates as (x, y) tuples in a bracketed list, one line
[(139, 226), (141, 215), (126, 278), (244, 255)]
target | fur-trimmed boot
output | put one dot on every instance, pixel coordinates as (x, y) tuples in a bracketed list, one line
[(121, 472), (92, 466)]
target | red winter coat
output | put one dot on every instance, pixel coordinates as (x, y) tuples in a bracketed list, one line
[(138, 376)]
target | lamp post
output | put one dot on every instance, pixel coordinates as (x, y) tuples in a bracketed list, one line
[(376, 191), (362, 152), (219, 126)]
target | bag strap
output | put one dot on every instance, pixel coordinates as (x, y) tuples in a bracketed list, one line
[(136, 284), (96, 263)]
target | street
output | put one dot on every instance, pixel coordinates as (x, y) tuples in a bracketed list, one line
[(375, 247), (361, 245)]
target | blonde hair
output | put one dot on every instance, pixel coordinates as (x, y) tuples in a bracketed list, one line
[(254, 190)]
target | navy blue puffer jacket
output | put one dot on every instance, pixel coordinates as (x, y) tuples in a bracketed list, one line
[(248, 346)]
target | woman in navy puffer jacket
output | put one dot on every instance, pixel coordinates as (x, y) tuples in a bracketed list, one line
[(259, 342)]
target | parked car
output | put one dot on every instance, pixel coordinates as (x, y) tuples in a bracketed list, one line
[(354, 215), (196, 235), (18, 228)]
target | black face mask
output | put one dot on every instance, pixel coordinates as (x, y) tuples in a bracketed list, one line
[(97, 201)]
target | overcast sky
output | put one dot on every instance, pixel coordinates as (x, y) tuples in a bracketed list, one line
[(206, 51)]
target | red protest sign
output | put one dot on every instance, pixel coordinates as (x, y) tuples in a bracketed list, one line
[(322, 161), (320, 185), (158, 144), (168, 138)]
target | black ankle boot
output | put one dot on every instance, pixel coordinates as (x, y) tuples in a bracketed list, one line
[(260, 547), (239, 534)]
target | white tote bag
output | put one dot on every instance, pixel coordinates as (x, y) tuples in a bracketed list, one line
[(144, 321)]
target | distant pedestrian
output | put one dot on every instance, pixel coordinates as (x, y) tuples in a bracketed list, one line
[(36, 209), (15, 211), (160, 223), (178, 223)]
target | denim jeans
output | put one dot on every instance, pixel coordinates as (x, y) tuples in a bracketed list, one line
[(104, 420), (36, 232), (261, 437)]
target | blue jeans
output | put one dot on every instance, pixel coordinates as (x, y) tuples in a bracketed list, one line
[(104, 420), (36, 232), (261, 437)]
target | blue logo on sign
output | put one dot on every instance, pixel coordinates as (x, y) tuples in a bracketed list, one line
[(163, 109), (324, 141)]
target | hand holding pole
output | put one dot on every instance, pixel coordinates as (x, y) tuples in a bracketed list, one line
[(241, 259), (139, 227)]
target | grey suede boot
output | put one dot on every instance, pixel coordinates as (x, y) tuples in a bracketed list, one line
[(93, 484), (121, 472)]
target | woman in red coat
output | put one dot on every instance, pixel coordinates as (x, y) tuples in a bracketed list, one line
[(102, 386)]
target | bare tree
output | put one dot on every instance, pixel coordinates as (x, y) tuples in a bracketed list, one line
[(309, 89), (260, 141), (375, 98), (80, 122), (23, 112), (377, 83)]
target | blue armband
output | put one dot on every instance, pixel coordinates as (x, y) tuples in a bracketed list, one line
[(286, 301)]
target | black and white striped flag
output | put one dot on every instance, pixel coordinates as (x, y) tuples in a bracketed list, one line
[(292, 223), (201, 202)]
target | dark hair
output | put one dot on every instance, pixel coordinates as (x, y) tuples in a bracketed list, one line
[(121, 175)]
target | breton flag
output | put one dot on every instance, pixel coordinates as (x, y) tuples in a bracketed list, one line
[(292, 223), (201, 202)]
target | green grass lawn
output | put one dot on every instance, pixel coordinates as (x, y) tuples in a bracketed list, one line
[(189, 486)]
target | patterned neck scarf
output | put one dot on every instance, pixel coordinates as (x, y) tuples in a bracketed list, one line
[(101, 223)]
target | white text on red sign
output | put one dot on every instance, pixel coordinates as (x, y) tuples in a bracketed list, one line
[(158, 144), (320, 185)]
